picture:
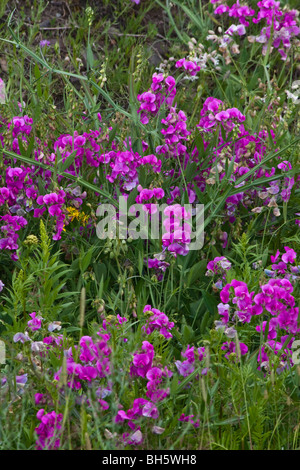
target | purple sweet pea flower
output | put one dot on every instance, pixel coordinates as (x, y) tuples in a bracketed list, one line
[(289, 256), (44, 43), (21, 337)]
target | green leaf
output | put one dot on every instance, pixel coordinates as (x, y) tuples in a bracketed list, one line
[(112, 134), (210, 302), (199, 144), (90, 56), (188, 333), (37, 74), (204, 322), (196, 271), (100, 271), (174, 385), (142, 176), (131, 198), (86, 260)]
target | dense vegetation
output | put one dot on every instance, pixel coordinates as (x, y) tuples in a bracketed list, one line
[(141, 342)]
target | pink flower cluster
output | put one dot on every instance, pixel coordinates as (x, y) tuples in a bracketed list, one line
[(18, 126), (213, 113), (141, 407), (162, 91), (281, 23), (158, 264), (189, 419), (177, 231), (17, 196), (87, 148), (275, 301), (187, 367), (147, 194), (12, 224), (143, 367), (176, 192), (190, 66), (218, 266), (284, 24), (248, 151), (175, 133), (235, 11), (288, 257), (40, 347), (157, 321), (231, 347), (94, 362), (243, 301), (48, 431), (123, 166), (54, 203), (247, 305), (20, 194), (284, 355), (284, 266), (142, 362), (19, 189), (287, 183), (150, 196)]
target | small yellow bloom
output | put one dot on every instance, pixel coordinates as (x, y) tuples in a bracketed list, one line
[(76, 214)]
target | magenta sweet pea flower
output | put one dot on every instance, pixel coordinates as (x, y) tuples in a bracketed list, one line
[(36, 322), (231, 348), (289, 256), (48, 431)]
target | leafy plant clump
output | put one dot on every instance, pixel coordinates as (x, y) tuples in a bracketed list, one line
[(149, 225)]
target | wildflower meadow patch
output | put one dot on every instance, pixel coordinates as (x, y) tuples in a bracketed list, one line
[(149, 226)]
